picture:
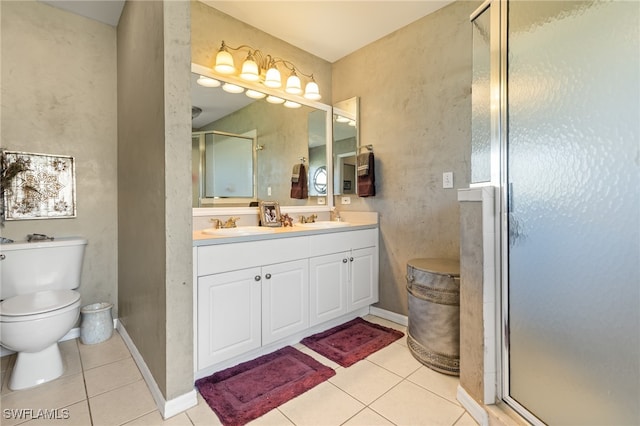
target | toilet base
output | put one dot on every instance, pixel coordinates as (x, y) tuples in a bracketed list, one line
[(34, 368)]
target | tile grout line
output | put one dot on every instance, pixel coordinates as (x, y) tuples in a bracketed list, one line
[(84, 381)]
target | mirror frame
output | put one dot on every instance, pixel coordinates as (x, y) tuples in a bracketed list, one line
[(329, 202), (338, 109)]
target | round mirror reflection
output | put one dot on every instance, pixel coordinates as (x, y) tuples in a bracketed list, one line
[(320, 180)]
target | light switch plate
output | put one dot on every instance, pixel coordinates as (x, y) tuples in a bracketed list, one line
[(447, 180)]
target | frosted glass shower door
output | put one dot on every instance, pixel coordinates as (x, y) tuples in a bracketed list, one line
[(574, 211)]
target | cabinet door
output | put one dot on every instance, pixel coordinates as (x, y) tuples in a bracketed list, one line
[(328, 279), (363, 289), (228, 315), (285, 299)]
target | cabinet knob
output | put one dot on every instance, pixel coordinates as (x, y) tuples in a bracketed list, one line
[(257, 278), (344, 260), (268, 276), (351, 259)]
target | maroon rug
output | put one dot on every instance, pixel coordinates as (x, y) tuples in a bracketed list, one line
[(351, 342), (247, 391)]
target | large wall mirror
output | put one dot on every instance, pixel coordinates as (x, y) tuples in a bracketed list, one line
[(244, 149), (345, 145)]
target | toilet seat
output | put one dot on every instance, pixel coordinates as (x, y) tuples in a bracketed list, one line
[(42, 304)]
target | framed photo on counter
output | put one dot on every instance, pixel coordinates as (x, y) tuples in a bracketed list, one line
[(270, 213)]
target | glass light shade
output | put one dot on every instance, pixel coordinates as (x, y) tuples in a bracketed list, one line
[(352, 123), (224, 63), (291, 104), (312, 91), (232, 88), (293, 85), (274, 100), (272, 79), (250, 71), (208, 82), (341, 119), (254, 94)]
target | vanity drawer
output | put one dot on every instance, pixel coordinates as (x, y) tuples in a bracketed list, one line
[(230, 257), (342, 241)]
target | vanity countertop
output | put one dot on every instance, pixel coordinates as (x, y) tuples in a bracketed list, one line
[(200, 238)]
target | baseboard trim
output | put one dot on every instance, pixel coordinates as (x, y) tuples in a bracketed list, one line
[(167, 408), (473, 407), (391, 316)]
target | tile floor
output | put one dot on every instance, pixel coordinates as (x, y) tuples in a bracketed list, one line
[(103, 386)]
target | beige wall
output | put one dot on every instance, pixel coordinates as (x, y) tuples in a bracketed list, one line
[(415, 108), (154, 196), (59, 97)]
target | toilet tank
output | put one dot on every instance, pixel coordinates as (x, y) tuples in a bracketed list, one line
[(41, 265)]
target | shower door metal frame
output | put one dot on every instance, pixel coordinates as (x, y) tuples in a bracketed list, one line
[(499, 180)]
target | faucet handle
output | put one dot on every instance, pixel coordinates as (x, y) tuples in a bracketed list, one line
[(217, 224)]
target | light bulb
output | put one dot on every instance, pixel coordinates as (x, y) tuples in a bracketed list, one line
[(254, 94), (207, 82), (232, 88), (224, 63), (312, 91), (272, 79), (274, 100), (293, 84), (250, 71)]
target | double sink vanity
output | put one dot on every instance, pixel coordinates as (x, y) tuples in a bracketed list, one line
[(261, 288)]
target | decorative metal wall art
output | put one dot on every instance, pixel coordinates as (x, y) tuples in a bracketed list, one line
[(38, 186)]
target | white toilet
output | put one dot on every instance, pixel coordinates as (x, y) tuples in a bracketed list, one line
[(39, 305)]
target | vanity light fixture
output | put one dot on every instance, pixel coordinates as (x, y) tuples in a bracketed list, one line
[(232, 88), (263, 68), (207, 81)]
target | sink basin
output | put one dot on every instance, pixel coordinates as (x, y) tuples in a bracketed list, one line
[(239, 231), (323, 224)]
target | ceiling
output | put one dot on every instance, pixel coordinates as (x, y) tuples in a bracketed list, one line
[(328, 29)]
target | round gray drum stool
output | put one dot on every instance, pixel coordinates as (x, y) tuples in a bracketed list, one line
[(433, 336)]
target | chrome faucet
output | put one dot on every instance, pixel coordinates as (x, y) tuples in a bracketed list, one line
[(229, 223)]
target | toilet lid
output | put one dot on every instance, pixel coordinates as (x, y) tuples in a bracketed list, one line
[(37, 303)]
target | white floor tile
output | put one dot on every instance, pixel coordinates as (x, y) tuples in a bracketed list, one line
[(102, 384), (397, 359), (438, 383), (111, 376), (202, 414), (323, 405), (122, 405), (368, 417), (365, 381), (409, 404)]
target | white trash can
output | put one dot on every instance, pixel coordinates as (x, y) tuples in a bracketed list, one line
[(97, 324)]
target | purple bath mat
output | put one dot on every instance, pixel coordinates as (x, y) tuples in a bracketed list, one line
[(351, 342), (247, 391)]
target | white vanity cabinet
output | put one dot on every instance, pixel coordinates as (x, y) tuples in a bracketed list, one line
[(263, 298), (343, 270), (254, 295)]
